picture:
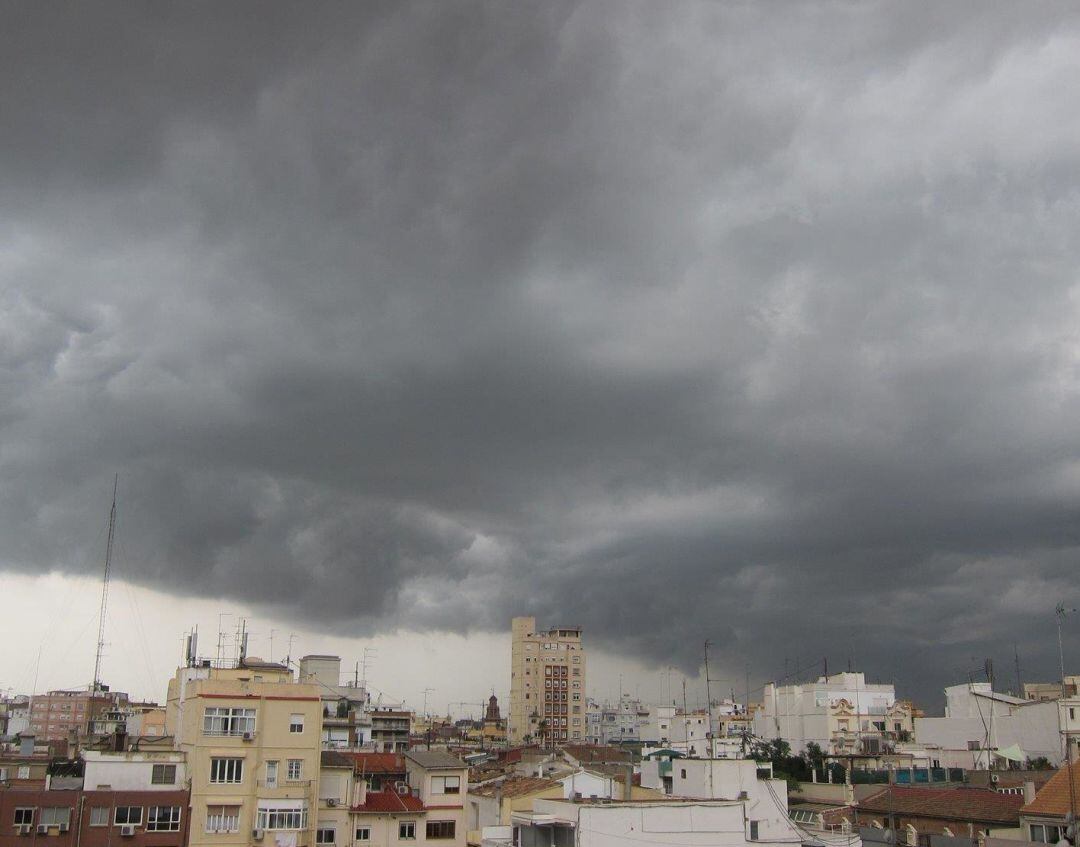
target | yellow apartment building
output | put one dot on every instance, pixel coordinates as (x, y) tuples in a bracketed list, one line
[(547, 684), (427, 807), (252, 736)]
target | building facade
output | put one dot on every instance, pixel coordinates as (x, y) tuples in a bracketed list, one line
[(842, 713), (59, 714), (364, 803), (93, 818), (547, 684), (251, 736), (983, 728)]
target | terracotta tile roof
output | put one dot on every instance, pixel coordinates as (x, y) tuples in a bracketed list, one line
[(515, 787), (1053, 798), (962, 804), (378, 762), (388, 802), (589, 753), (434, 759)]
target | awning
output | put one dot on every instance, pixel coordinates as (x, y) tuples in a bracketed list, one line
[(1013, 753)]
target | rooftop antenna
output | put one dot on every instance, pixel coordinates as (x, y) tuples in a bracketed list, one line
[(105, 588)]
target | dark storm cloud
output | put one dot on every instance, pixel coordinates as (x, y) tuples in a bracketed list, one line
[(755, 322)]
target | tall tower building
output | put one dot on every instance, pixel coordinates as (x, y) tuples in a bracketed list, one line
[(547, 684)]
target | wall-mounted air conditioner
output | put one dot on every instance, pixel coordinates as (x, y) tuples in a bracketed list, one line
[(127, 830)]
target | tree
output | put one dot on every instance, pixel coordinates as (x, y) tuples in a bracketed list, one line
[(1039, 763), (542, 731)]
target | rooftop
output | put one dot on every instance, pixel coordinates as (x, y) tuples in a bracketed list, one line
[(384, 802), (434, 759), (1053, 798), (961, 804), (515, 787)]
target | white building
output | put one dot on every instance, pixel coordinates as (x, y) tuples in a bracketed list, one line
[(679, 823), (618, 723), (980, 723), (144, 770), (841, 713)]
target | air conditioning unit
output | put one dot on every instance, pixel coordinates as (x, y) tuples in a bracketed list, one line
[(331, 802), (42, 829), (994, 779), (127, 830), (401, 788), (257, 834), (249, 736), (63, 827), (24, 829)]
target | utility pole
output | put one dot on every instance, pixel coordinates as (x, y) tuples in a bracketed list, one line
[(1070, 831)]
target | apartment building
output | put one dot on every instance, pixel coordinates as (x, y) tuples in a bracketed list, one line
[(59, 714), (668, 821), (618, 723), (983, 728), (547, 684), (390, 729), (346, 722), (842, 713), (251, 736), (363, 803), (127, 798)]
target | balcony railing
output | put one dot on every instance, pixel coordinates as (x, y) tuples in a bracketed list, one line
[(283, 783)]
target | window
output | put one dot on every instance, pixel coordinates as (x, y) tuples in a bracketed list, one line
[(294, 770), (294, 817), (974, 745), (406, 830), (222, 720), (1072, 713), (325, 835), (131, 815), (222, 818), (363, 833), (227, 770), (25, 815), (163, 775), (1037, 833), (24, 772), (445, 784), (163, 819), (440, 829), (54, 816), (99, 816), (753, 830), (296, 723)]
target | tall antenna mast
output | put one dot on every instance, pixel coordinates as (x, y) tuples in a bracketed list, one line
[(105, 588)]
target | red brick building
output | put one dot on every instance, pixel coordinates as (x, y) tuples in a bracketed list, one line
[(54, 716), (93, 818)]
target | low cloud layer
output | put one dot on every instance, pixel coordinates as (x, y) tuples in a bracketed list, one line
[(750, 322)]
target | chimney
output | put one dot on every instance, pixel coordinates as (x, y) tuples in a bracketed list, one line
[(1029, 791)]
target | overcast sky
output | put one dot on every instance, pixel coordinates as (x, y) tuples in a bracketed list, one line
[(755, 322)]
